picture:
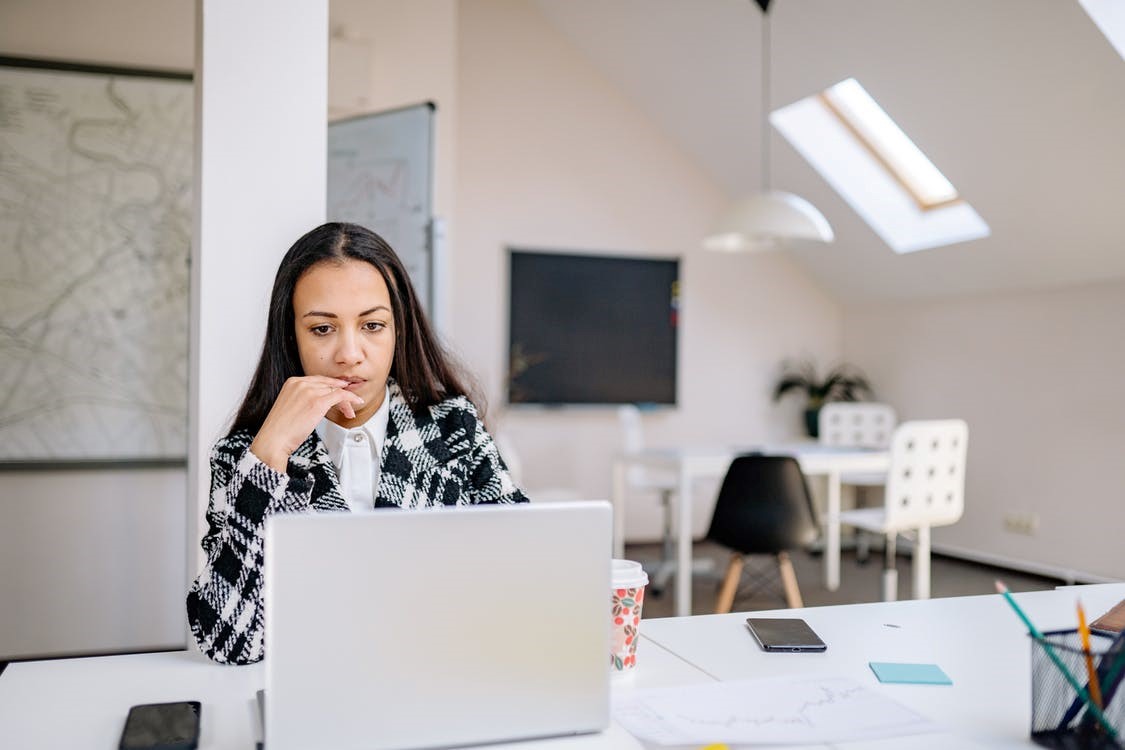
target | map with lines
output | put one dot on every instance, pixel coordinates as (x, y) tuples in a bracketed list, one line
[(803, 710), (95, 231)]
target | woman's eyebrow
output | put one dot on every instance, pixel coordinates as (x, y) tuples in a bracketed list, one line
[(319, 314)]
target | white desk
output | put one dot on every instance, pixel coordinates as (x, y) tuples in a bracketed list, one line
[(691, 464), (75, 704), (977, 640)]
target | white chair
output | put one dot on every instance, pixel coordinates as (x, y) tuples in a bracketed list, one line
[(925, 488), (858, 424)]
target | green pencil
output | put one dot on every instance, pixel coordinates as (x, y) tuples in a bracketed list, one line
[(1090, 705)]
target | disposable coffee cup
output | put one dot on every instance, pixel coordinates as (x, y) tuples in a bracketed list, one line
[(628, 582)]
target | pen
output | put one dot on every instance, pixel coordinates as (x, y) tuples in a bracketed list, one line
[(1092, 674), (1047, 649)]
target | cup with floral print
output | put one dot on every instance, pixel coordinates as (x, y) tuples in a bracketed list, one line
[(629, 581)]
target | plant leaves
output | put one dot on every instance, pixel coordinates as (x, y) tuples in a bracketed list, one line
[(842, 382)]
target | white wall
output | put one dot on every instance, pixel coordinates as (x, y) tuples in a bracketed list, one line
[(1038, 377), (91, 561), (94, 561), (551, 155), (144, 33)]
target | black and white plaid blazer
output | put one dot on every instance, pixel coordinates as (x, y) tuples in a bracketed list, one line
[(442, 456)]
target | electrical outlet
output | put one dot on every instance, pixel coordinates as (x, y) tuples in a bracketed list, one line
[(1021, 522)]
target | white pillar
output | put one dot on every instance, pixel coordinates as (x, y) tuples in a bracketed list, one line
[(261, 80)]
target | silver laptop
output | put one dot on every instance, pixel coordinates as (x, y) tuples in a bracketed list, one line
[(438, 627)]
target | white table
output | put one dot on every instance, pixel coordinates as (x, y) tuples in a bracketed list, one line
[(691, 464), (75, 704), (80, 704), (978, 641)]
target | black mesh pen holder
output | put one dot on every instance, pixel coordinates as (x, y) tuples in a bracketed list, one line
[(1059, 717)]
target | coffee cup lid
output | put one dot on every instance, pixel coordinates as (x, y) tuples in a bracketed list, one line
[(628, 574)]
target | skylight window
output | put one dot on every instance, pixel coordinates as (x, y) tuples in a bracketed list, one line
[(1109, 15), (875, 129), (874, 166)]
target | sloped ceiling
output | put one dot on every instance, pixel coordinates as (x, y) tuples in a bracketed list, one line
[(1021, 103)]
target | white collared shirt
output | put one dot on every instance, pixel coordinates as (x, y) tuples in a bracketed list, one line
[(357, 454)]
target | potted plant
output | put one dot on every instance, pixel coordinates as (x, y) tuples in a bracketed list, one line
[(841, 383)]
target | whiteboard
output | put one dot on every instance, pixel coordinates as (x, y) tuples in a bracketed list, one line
[(380, 175)]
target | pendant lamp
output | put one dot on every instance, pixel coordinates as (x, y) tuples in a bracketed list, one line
[(768, 219)]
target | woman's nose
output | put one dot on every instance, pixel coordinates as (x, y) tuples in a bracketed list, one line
[(349, 350)]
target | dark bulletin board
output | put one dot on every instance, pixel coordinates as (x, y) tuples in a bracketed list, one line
[(592, 329)]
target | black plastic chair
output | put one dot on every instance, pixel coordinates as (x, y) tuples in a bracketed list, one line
[(763, 508)]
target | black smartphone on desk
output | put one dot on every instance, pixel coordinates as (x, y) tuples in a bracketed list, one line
[(162, 726), (784, 634)]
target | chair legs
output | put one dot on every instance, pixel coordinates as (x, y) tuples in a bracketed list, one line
[(729, 586), (890, 573), (921, 563), (789, 581), (862, 542), (862, 547)]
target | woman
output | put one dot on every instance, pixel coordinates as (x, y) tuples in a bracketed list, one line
[(354, 406)]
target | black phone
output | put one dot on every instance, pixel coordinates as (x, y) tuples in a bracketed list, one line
[(162, 726), (784, 634)]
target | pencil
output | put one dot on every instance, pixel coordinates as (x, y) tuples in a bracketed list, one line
[(1092, 674), (1047, 649), (1112, 664)]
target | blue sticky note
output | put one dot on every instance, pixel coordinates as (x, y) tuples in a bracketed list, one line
[(913, 674)]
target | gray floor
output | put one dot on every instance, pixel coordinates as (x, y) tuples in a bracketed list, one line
[(858, 582)]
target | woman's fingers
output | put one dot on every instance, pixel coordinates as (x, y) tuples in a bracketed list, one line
[(344, 400), (322, 379)]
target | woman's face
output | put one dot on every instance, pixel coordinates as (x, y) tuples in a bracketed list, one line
[(345, 329)]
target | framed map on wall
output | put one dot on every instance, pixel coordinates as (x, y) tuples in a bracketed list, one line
[(96, 179)]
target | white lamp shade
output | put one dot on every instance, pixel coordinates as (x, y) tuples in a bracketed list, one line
[(765, 221)]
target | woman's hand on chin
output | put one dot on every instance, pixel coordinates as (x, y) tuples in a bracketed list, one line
[(299, 407)]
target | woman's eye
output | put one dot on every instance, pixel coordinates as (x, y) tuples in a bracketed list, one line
[(321, 330), (374, 325)]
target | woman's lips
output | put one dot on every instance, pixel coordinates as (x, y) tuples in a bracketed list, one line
[(354, 384)]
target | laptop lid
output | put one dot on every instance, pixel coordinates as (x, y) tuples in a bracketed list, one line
[(436, 627)]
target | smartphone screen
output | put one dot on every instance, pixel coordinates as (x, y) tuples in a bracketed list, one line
[(784, 634), (162, 726)]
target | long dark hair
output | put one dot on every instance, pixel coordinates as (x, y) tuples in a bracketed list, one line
[(422, 368)]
